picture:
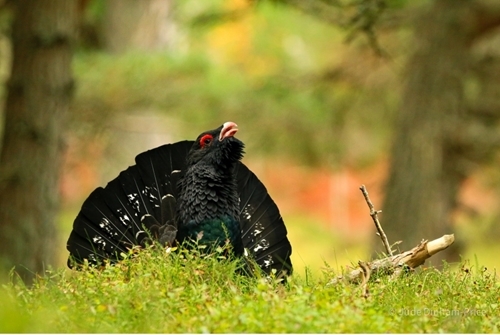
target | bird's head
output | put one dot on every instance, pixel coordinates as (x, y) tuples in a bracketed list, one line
[(217, 147)]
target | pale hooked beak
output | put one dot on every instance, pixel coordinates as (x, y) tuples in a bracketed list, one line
[(228, 130)]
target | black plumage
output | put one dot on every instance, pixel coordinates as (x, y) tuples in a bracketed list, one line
[(186, 190)]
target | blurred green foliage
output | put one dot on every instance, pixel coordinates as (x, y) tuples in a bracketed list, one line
[(290, 90)]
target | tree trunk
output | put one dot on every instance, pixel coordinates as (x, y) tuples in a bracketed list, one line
[(138, 24), (427, 157), (39, 92)]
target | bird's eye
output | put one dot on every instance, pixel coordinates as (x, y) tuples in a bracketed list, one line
[(206, 140)]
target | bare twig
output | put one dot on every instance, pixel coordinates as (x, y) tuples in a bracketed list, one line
[(373, 214)]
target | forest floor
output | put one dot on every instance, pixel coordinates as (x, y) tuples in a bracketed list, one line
[(183, 292)]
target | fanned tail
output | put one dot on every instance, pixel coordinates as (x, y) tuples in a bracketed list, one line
[(115, 218), (263, 230)]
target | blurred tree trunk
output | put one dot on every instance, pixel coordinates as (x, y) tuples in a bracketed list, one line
[(39, 92), (436, 135), (138, 24)]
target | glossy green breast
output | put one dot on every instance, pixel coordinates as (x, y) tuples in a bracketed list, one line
[(214, 232)]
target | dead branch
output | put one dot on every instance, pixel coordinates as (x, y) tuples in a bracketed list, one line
[(394, 264), (373, 214)]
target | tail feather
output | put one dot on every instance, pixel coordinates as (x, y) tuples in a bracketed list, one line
[(102, 245), (157, 168), (105, 226), (168, 208), (81, 249), (243, 179), (277, 257), (124, 206), (98, 214), (110, 218), (136, 192), (263, 230)]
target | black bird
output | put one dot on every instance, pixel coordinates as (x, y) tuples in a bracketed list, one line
[(186, 190)]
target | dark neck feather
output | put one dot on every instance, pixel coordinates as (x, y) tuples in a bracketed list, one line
[(206, 194)]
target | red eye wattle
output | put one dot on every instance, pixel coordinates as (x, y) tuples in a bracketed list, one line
[(206, 139)]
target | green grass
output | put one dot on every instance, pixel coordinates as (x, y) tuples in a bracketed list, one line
[(183, 291)]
